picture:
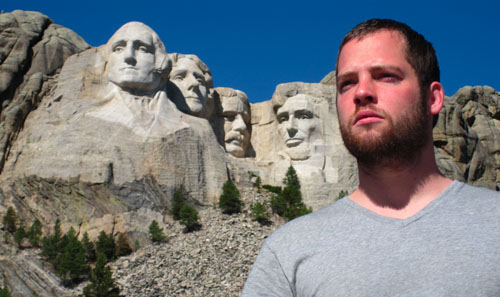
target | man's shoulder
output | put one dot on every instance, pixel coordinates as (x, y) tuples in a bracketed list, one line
[(307, 228), (475, 202), (476, 195)]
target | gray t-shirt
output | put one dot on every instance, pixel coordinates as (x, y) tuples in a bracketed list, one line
[(450, 248)]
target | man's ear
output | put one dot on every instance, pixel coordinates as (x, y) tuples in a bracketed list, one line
[(436, 97)]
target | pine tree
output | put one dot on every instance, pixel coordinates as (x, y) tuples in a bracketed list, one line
[(292, 194), (101, 281), (258, 183), (4, 292), (122, 246), (137, 245), (106, 245), (88, 247), (288, 203), (291, 178), (259, 212), (177, 203), (72, 262), (52, 245), (342, 194), (230, 201), (278, 204), (189, 218), (9, 220), (155, 232), (19, 236), (35, 233)]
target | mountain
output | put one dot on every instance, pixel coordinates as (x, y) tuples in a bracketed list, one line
[(102, 137)]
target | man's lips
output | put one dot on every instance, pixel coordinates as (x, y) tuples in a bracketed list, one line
[(192, 97), (366, 117), (291, 142)]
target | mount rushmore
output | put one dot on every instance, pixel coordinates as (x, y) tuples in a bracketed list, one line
[(101, 137), (128, 123)]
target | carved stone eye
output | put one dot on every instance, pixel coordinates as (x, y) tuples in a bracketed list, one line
[(118, 48), (282, 118)]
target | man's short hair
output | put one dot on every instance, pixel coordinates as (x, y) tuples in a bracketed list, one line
[(163, 64), (229, 93), (420, 53), (175, 57)]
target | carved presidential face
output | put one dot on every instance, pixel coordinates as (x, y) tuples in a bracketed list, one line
[(236, 120), (296, 126), (190, 80), (132, 59)]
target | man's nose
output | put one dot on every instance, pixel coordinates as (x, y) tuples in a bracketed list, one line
[(129, 55), (291, 125), (192, 82), (239, 123), (365, 92)]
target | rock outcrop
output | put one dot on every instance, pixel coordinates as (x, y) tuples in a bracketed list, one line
[(32, 48), (468, 132)]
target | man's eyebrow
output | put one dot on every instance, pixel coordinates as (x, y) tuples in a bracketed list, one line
[(344, 75), (306, 110), (283, 112), (373, 68), (387, 67), (118, 42), (142, 43), (178, 71)]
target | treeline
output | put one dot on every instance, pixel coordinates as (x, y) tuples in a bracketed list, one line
[(286, 201), (70, 258), (75, 260)]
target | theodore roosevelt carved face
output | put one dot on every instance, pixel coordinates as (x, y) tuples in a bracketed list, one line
[(236, 113), (296, 124), (136, 59)]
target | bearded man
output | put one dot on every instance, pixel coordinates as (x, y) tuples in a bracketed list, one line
[(406, 230)]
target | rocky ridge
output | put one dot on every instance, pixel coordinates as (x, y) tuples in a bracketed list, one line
[(214, 261)]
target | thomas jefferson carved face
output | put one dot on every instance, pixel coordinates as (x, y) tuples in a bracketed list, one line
[(236, 119), (132, 59), (191, 81), (296, 126)]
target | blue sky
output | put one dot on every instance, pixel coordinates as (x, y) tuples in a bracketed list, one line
[(255, 45)]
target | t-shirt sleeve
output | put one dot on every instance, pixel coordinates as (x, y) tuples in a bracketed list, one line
[(267, 277)]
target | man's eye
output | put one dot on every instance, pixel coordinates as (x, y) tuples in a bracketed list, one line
[(118, 48), (282, 119), (229, 118), (178, 77), (143, 49), (200, 79), (388, 77), (345, 85), (304, 116)]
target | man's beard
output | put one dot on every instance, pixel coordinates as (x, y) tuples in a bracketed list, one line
[(399, 144)]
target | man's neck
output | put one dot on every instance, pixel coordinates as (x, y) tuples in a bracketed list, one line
[(400, 191)]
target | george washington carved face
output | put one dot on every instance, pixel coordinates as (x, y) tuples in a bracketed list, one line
[(136, 58)]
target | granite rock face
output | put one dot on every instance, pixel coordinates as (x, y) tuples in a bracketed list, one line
[(468, 132), (32, 48), (111, 130)]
